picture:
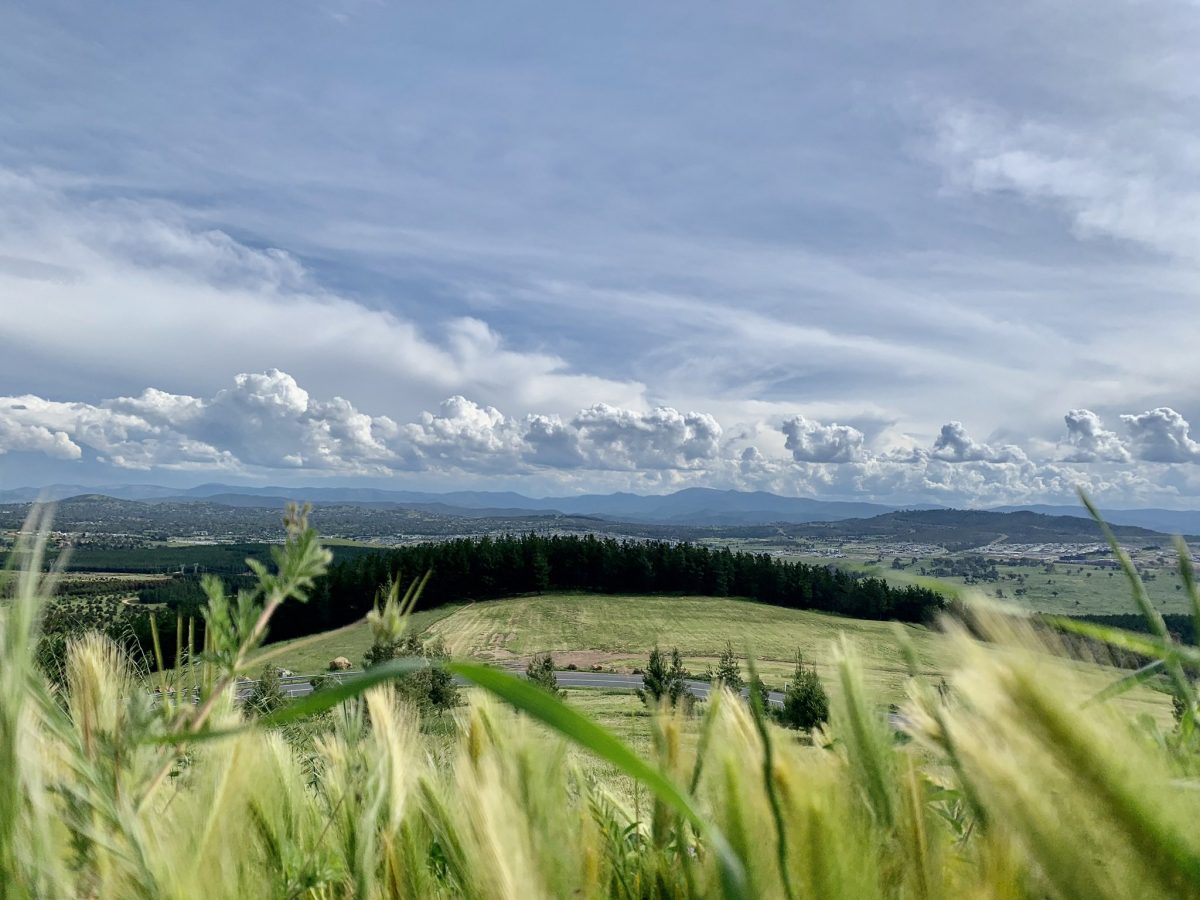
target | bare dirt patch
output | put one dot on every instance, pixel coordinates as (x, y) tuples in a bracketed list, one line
[(585, 659)]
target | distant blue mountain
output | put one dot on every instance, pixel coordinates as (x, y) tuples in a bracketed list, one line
[(1170, 521), (694, 506), (691, 506)]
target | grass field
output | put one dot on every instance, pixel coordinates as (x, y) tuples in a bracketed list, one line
[(1069, 590), (618, 632), (310, 655)]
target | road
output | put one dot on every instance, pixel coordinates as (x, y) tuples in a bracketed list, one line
[(298, 685)]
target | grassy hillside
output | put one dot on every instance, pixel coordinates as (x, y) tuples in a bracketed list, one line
[(309, 655), (618, 632), (1070, 590)]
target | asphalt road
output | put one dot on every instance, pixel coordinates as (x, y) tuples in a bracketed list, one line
[(298, 686)]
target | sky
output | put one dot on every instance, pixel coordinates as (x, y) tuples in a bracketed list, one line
[(900, 252)]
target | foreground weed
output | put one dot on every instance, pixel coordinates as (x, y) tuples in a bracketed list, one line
[(1012, 779)]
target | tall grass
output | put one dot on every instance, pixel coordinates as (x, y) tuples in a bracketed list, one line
[(1016, 782)]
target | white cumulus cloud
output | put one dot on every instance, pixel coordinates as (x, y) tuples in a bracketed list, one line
[(1089, 441), (813, 442), (953, 444), (1162, 435)]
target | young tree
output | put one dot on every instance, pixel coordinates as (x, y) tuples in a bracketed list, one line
[(268, 694), (541, 672), (655, 680), (677, 680), (729, 670), (442, 691), (805, 703), (758, 688), (663, 681), (385, 649)]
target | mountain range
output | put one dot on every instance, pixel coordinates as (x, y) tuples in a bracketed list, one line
[(691, 506)]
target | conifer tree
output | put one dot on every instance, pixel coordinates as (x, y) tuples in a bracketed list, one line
[(540, 671), (677, 679), (656, 677), (729, 670), (805, 703)]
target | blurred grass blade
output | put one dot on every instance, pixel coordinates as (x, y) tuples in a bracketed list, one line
[(340, 692), (551, 711), (1183, 686), (1132, 641), (757, 694), (1127, 683), (308, 705), (1187, 575)]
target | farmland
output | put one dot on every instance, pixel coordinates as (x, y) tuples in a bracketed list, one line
[(617, 632)]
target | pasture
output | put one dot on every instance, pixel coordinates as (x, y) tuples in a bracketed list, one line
[(617, 632)]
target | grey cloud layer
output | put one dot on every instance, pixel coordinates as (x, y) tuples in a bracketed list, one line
[(863, 213)]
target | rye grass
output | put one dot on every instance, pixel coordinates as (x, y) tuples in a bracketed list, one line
[(1014, 780)]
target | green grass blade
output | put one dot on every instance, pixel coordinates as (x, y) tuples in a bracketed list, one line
[(1146, 645), (764, 733), (308, 705), (1136, 585), (570, 723), (1183, 686), (340, 692), (1187, 574), (1128, 683)]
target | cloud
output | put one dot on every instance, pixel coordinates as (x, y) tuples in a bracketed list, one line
[(1162, 435), (813, 442), (142, 293), (267, 421), (1112, 182), (268, 424), (19, 436), (954, 445), (462, 435), (1089, 441), (662, 438), (467, 436)]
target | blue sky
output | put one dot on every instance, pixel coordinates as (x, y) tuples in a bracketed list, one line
[(941, 252)]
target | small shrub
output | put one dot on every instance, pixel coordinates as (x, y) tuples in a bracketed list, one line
[(805, 703), (267, 695), (540, 671), (729, 670)]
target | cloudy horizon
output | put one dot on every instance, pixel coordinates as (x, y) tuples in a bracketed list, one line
[(936, 255)]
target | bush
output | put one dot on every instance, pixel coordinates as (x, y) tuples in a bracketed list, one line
[(805, 703), (267, 696), (663, 681), (540, 671), (729, 670)]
